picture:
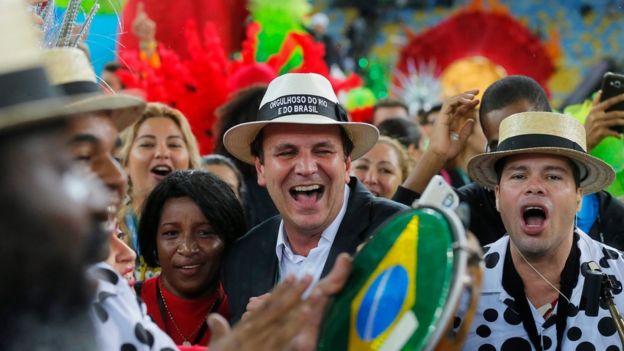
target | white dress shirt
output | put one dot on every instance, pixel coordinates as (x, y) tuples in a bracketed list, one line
[(299, 266)]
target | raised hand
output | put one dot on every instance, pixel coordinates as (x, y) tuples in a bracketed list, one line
[(599, 123), (143, 27), (453, 125), (451, 130)]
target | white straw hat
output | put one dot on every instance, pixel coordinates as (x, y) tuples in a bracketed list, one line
[(299, 98), (543, 133), (70, 71)]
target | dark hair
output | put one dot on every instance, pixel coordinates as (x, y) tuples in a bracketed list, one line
[(256, 144), (213, 197), (403, 130), (511, 89), (221, 160), (423, 116), (576, 173), (240, 108), (390, 102), (113, 66)]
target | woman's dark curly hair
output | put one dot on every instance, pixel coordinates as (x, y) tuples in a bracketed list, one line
[(213, 197)]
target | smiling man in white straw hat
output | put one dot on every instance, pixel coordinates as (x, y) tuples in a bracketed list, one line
[(302, 146), (532, 290)]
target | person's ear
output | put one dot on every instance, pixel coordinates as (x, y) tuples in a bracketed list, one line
[(496, 191), (260, 171), (348, 169), (579, 201)]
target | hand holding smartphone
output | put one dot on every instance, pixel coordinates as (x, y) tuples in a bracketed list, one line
[(438, 193), (613, 85)]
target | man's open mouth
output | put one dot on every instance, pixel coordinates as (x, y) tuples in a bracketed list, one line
[(534, 216), (307, 192)]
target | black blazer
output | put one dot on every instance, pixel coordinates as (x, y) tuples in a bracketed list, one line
[(251, 266)]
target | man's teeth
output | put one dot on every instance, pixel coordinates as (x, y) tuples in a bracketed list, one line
[(307, 187), (534, 208)]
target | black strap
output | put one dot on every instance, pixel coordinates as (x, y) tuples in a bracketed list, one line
[(78, 88), (526, 141), (29, 85), (302, 104), (568, 281), (204, 327), (513, 284), (161, 304)]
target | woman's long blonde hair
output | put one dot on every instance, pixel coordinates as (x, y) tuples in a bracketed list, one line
[(153, 110)]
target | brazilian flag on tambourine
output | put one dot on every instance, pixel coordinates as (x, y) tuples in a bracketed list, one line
[(398, 287)]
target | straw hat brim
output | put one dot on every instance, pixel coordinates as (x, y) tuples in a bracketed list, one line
[(599, 174), (125, 109), (32, 112), (237, 140)]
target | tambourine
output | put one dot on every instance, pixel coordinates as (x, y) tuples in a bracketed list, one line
[(406, 285)]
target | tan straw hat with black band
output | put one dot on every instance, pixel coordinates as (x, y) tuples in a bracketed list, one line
[(27, 97), (71, 72), (543, 133), (299, 98)]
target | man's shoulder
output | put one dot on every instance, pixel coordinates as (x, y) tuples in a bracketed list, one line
[(594, 250), (361, 196), (611, 210), (262, 237), (382, 209), (494, 261), (106, 276), (473, 192), (387, 203), (259, 231)]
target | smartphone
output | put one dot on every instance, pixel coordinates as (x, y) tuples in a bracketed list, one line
[(613, 85), (438, 193)]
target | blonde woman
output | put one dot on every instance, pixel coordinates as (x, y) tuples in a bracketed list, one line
[(383, 168), (157, 144)]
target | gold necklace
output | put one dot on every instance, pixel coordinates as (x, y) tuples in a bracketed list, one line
[(185, 341), (541, 276)]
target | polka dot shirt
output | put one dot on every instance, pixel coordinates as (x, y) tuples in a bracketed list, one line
[(120, 318), (497, 324)]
